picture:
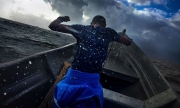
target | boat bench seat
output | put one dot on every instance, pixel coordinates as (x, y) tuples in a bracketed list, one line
[(120, 70), (113, 99)]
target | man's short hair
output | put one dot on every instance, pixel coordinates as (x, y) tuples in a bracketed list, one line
[(99, 19)]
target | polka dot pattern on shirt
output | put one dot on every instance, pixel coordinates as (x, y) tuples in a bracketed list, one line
[(92, 46)]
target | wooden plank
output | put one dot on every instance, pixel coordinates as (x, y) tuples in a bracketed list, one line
[(121, 100), (50, 93), (116, 68)]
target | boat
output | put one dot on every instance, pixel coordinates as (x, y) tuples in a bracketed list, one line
[(128, 77)]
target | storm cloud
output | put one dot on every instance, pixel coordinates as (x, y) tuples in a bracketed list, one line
[(156, 35)]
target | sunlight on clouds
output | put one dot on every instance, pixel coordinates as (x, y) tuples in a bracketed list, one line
[(34, 7), (159, 14), (145, 32), (145, 35), (85, 18), (139, 3), (163, 2), (175, 21), (5, 8), (147, 2), (140, 12)]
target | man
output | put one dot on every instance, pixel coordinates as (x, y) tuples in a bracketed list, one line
[(81, 88)]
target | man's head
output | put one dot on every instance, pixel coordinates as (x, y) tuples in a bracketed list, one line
[(99, 20)]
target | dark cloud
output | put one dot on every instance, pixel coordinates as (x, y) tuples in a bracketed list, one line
[(157, 38), (163, 43), (72, 8), (154, 34)]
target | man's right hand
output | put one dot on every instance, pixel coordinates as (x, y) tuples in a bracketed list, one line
[(64, 18), (57, 26)]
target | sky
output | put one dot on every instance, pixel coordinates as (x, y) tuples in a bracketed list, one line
[(154, 25)]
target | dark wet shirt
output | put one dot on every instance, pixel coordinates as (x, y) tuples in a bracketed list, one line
[(92, 47)]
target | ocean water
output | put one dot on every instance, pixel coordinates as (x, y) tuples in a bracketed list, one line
[(19, 40)]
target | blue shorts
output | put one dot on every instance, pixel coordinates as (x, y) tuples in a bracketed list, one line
[(78, 89)]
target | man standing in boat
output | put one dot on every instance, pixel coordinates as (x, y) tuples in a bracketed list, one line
[(81, 87)]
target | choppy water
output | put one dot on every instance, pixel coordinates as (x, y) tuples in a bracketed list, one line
[(19, 40)]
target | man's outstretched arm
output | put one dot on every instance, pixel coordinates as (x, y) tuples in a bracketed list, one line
[(57, 26), (120, 38), (125, 41)]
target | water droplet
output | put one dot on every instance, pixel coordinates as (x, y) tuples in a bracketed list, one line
[(17, 73), (5, 93), (17, 66), (30, 62), (25, 83), (105, 80), (4, 80), (24, 73)]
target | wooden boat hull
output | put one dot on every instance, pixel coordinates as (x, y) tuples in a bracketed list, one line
[(129, 79)]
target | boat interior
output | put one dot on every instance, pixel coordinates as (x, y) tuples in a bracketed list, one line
[(128, 77)]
